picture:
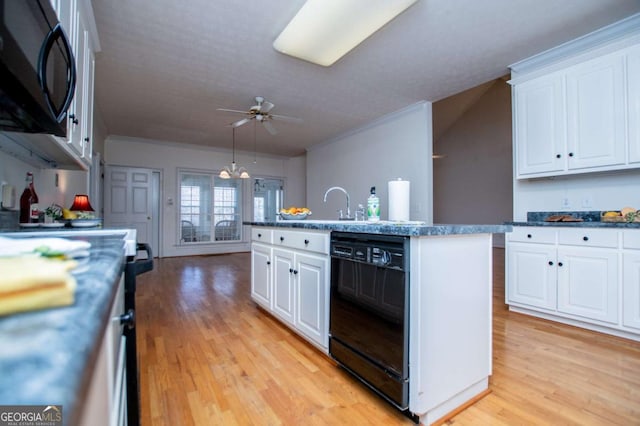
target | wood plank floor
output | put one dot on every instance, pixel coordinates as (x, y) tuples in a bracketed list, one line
[(208, 356)]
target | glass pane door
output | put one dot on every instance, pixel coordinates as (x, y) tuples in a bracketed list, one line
[(267, 199)]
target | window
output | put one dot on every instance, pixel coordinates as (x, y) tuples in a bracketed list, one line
[(210, 208)]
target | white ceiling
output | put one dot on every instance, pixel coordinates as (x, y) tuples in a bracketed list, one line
[(166, 65)]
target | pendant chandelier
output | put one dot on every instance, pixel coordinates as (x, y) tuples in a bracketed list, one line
[(234, 172)]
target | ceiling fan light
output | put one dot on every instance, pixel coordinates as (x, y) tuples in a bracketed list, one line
[(325, 30)]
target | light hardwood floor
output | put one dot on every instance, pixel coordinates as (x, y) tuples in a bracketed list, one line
[(209, 356)]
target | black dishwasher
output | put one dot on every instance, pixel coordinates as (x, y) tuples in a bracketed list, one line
[(369, 311)]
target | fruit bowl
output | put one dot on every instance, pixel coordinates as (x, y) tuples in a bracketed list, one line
[(296, 216)]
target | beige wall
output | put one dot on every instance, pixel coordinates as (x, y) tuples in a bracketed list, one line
[(395, 146), (473, 183)]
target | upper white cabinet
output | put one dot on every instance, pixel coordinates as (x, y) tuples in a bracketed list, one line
[(577, 112), (596, 114), (633, 103), (540, 125), (80, 119)]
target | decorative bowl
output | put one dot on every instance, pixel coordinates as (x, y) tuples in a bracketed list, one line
[(297, 216)]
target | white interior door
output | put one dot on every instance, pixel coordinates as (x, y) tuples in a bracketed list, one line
[(128, 201)]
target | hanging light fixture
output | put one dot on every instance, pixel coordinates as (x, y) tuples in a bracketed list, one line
[(234, 172)]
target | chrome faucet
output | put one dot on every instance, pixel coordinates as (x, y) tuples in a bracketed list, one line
[(348, 217)]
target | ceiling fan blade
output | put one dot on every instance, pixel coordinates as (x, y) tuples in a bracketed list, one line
[(240, 122), (269, 127), (266, 106), (286, 118), (231, 110)]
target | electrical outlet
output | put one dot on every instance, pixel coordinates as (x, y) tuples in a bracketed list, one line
[(565, 203), (587, 202)]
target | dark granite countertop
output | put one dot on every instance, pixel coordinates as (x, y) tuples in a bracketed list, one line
[(47, 356), (590, 219), (611, 225), (411, 229)]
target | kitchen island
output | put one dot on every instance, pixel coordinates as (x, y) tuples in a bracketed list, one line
[(52, 356), (450, 299)]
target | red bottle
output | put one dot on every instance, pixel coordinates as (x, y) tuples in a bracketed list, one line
[(29, 202)]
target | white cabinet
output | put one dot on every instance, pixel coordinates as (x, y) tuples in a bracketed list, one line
[(540, 125), (531, 275), (290, 278), (77, 19), (631, 279), (633, 103), (582, 118), (588, 283), (631, 290), (261, 274), (568, 273), (80, 124), (106, 399), (596, 113), (283, 282), (312, 302)]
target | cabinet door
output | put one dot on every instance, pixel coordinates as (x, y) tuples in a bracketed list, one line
[(261, 275), (283, 284), (588, 283), (312, 289), (633, 103), (531, 274), (540, 126), (631, 290), (75, 124), (596, 113), (87, 110)]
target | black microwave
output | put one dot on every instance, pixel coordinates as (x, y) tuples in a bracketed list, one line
[(37, 68)]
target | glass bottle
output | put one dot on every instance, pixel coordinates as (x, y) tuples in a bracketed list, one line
[(29, 202)]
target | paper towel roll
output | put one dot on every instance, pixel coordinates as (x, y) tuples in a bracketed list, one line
[(8, 197), (399, 200)]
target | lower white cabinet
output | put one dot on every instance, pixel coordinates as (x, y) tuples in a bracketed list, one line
[(283, 284), (106, 398), (631, 290), (290, 279), (531, 275), (261, 274), (312, 297), (588, 283), (582, 276)]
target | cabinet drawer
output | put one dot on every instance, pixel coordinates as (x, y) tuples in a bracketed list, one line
[(532, 234), (302, 240), (262, 235), (588, 237), (631, 239)]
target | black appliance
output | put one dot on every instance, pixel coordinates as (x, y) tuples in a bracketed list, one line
[(133, 267), (37, 68), (369, 311)]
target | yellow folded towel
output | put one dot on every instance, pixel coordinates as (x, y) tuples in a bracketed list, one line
[(30, 283)]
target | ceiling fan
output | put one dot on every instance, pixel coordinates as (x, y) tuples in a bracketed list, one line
[(261, 112)]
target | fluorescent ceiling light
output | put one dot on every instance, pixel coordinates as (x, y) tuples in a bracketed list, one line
[(325, 30)]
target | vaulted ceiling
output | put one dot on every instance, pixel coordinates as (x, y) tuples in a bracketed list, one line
[(166, 66)]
